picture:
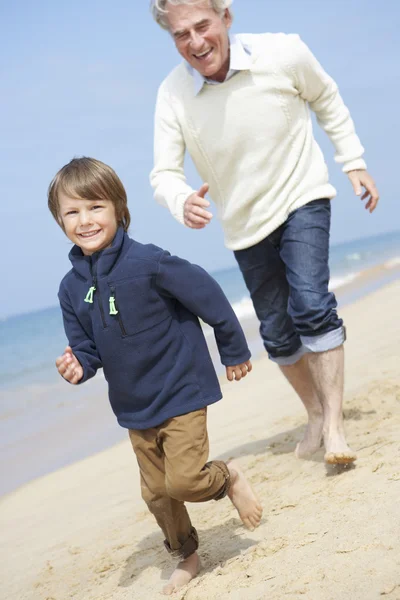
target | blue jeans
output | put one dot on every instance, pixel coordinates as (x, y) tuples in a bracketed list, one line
[(287, 275)]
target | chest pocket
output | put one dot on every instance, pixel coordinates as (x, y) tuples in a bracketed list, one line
[(136, 305)]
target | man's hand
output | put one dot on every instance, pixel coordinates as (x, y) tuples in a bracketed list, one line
[(362, 179), (194, 214), (69, 366), (238, 371)]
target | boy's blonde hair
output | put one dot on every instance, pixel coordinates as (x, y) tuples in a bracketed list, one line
[(89, 179)]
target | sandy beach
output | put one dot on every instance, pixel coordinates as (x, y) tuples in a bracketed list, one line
[(84, 533)]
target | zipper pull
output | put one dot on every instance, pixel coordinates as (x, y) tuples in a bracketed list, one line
[(89, 295), (113, 308)]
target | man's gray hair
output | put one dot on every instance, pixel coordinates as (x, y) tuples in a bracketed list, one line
[(159, 10)]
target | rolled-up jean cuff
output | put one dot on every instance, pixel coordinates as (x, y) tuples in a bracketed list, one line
[(187, 549), (325, 341), (288, 360)]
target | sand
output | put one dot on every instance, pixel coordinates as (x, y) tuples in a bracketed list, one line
[(328, 533)]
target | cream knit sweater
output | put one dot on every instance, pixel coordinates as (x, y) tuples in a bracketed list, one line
[(251, 138)]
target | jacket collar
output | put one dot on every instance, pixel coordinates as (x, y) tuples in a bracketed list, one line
[(100, 263)]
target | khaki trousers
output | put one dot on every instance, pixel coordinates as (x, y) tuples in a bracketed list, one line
[(173, 465)]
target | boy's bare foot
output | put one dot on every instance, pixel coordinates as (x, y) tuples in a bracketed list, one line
[(243, 498), (185, 571), (337, 450), (312, 439)]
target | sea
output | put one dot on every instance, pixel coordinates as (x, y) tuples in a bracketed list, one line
[(46, 424)]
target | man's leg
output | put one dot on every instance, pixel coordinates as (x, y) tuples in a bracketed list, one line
[(300, 378), (305, 252), (327, 369), (264, 273)]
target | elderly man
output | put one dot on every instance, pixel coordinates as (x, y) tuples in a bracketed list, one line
[(240, 106)]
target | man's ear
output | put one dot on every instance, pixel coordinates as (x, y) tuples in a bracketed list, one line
[(227, 18)]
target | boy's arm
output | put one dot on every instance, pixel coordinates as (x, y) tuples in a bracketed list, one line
[(81, 345), (193, 287)]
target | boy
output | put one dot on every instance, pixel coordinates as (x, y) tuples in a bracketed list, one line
[(132, 309)]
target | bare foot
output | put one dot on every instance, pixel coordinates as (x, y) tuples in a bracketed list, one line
[(312, 438), (337, 450), (185, 571), (243, 498)]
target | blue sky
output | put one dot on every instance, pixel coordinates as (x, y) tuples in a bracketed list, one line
[(80, 78)]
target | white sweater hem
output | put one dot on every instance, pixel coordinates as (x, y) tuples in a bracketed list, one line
[(326, 191)]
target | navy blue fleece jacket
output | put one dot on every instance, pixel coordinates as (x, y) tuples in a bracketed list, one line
[(153, 350)]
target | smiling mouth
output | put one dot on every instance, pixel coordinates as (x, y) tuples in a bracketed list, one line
[(89, 234), (203, 55)]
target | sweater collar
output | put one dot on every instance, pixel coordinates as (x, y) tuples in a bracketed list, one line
[(240, 60), (102, 262)]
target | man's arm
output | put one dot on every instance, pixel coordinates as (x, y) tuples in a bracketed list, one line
[(321, 92), (168, 177), (81, 346), (193, 287)]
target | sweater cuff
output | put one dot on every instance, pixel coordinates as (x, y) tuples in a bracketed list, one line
[(179, 207), (354, 165), (88, 371), (233, 361)]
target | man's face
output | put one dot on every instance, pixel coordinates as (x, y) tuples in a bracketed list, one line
[(201, 37)]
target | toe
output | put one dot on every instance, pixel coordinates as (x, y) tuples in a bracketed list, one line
[(339, 458), (255, 522), (247, 523), (168, 589)]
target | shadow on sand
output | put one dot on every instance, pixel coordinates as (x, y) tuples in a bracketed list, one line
[(151, 552)]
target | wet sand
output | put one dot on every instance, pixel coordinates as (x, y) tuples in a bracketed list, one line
[(83, 532)]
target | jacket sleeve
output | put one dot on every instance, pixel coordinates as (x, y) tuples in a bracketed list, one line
[(193, 287), (321, 92), (82, 346), (167, 177)]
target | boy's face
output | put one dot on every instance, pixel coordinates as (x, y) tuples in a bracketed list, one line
[(90, 224)]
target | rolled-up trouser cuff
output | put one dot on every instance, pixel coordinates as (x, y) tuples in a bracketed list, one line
[(318, 343), (325, 341), (288, 360), (187, 549), (225, 489)]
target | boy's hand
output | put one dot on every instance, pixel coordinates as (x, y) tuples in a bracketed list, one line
[(69, 366), (238, 371)]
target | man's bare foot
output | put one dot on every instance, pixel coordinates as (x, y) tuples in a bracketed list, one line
[(337, 450), (243, 498), (312, 438), (185, 571)]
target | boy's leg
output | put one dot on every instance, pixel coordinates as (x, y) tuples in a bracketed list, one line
[(171, 515), (190, 478)]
